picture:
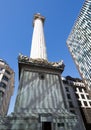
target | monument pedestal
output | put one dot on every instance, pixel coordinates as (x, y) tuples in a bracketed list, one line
[(38, 122), (40, 101)]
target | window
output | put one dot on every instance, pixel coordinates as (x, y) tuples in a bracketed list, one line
[(87, 96), (83, 97), (2, 85), (71, 104), (68, 96), (67, 89), (80, 89), (77, 96), (85, 103), (7, 72), (1, 94), (85, 90), (90, 103), (5, 78)]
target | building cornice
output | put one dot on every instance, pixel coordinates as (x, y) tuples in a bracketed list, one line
[(41, 62)]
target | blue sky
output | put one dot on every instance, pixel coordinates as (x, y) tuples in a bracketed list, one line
[(16, 29)]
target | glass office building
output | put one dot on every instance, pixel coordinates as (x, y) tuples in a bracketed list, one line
[(79, 43)]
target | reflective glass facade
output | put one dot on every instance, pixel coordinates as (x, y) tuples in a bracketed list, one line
[(79, 43)]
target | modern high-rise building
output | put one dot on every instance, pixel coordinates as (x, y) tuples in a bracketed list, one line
[(79, 43), (78, 100), (6, 86)]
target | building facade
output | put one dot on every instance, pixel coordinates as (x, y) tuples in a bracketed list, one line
[(79, 43), (78, 100), (6, 86)]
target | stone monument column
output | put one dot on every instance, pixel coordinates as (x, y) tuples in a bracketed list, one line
[(38, 48)]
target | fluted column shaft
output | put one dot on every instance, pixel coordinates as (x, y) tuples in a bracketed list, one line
[(38, 47)]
